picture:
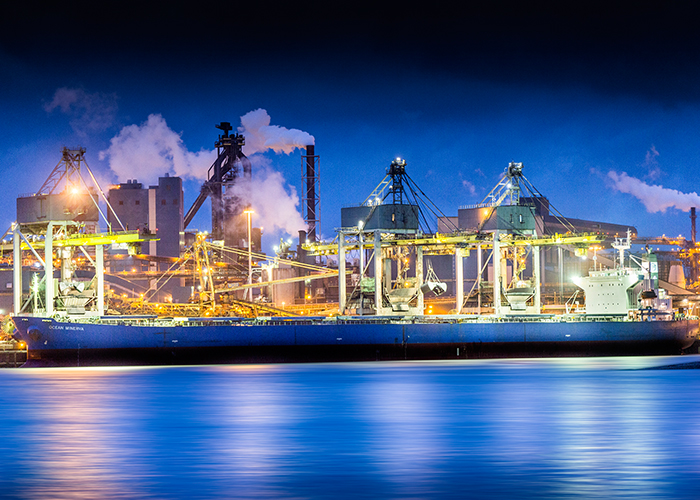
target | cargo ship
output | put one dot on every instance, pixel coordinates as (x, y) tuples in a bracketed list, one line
[(150, 340), (65, 322), (610, 325)]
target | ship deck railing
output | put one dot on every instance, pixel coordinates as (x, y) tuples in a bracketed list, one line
[(365, 320)]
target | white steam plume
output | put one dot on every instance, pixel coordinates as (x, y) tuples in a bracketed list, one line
[(274, 202), (261, 136), (148, 151), (655, 198), (151, 150)]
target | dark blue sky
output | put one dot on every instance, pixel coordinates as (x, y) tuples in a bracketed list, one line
[(580, 95)]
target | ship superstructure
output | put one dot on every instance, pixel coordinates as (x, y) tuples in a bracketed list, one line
[(612, 291), (627, 289)]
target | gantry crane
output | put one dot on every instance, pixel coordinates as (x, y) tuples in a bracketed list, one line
[(373, 231)]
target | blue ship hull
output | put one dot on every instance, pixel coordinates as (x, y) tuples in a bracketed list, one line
[(228, 340)]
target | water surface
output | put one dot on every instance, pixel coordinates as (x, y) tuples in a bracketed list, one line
[(558, 428)]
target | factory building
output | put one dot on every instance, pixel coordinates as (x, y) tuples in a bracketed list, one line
[(157, 209), (536, 213)]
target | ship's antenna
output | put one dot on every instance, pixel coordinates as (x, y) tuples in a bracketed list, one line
[(621, 245)]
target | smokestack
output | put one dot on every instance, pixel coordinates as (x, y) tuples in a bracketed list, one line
[(310, 186), (692, 224), (301, 253), (311, 192)]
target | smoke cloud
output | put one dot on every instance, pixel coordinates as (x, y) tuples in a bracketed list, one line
[(260, 136), (655, 198), (276, 204), (89, 112), (651, 164), (151, 150)]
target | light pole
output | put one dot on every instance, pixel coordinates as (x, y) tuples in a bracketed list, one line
[(249, 291)]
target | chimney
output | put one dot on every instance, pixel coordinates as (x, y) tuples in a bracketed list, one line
[(692, 224), (310, 178)]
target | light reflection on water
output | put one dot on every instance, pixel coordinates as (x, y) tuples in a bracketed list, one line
[(561, 428)]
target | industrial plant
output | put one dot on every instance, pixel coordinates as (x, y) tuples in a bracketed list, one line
[(396, 254)]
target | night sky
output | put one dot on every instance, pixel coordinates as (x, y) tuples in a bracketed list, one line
[(600, 103)]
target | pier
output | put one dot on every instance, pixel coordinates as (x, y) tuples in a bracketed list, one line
[(12, 354)]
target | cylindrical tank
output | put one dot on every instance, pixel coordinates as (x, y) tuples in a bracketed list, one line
[(676, 275)]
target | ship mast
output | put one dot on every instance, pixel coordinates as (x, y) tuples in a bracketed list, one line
[(622, 244)]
